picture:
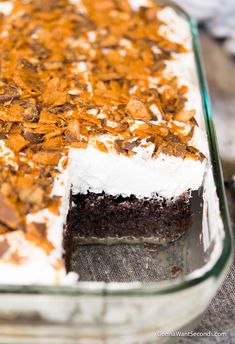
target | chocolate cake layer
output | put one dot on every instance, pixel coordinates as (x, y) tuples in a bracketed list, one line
[(101, 218)]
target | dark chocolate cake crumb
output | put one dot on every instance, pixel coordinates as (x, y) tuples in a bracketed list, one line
[(100, 218)]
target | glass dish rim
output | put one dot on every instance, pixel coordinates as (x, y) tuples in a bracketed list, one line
[(169, 286)]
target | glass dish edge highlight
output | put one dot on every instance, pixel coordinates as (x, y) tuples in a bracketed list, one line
[(222, 264)]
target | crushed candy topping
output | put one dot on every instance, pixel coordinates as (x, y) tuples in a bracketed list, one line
[(70, 74)]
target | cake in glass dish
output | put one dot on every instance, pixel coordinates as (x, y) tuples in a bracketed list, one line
[(101, 131)]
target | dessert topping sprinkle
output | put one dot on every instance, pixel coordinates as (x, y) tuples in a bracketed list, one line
[(71, 74)]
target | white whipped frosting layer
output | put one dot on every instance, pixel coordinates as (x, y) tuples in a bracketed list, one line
[(32, 266), (6, 7), (116, 174), (26, 262), (142, 175)]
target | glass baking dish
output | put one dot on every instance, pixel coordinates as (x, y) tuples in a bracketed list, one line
[(175, 282)]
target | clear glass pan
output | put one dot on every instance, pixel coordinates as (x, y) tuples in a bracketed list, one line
[(181, 278)]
